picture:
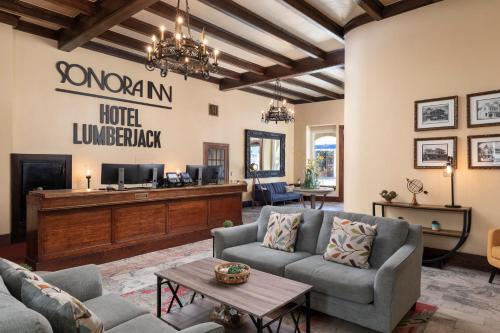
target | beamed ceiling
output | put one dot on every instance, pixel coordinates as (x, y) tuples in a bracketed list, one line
[(298, 41)]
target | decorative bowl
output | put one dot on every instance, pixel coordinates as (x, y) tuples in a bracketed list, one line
[(232, 273)]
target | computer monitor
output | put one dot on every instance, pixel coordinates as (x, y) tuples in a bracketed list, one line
[(212, 174), (194, 171), (145, 173), (109, 173)]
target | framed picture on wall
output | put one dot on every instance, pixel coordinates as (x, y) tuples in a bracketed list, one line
[(484, 151), (483, 109), (436, 113), (432, 153)]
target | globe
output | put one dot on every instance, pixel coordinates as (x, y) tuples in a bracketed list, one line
[(415, 186)]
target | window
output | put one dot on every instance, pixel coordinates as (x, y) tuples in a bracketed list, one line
[(323, 148)]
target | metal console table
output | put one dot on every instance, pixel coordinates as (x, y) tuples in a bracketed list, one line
[(462, 235)]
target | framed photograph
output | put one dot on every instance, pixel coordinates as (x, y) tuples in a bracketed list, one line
[(432, 153), (483, 109), (437, 113), (484, 151)]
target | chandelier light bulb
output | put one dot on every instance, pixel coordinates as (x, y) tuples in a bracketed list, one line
[(186, 59), (216, 52), (178, 36), (284, 102), (180, 19), (149, 49), (205, 42), (153, 38)]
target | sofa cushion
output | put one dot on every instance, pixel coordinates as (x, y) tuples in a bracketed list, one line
[(495, 252), (391, 234), (310, 225), (114, 310), (350, 243), (13, 276), (145, 323), (262, 258), (65, 313), (282, 231), (332, 279), (16, 317)]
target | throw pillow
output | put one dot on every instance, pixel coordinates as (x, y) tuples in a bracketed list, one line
[(65, 313), (350, 243), (282, 231), (13, 275)]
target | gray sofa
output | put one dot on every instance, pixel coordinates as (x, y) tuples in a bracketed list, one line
[(84, 283), (376, 298)]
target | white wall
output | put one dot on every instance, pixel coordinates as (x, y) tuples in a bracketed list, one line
[(42, 118), (444, 49)]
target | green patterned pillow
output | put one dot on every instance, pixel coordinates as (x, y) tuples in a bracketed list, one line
[(282, 231), (64, 312), (350, 243), (13, 275)]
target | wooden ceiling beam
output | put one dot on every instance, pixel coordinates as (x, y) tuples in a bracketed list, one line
[(329, 79), (110, 13), (169, 12), (9, 18), (286, 91), (264, 94), (388, 11), (315, 88), (373, 8), (301, 67), (147, 29), (139, 45), (84, 7), (317, 17), (22, 8), (28, 27), (247, 17)]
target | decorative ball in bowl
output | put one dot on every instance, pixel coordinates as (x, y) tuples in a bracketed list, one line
[(232, 273)]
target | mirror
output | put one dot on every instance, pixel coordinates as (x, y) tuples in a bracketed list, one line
[(266, 152)]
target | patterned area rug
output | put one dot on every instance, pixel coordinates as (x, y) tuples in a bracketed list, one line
[(413, 322), (134, 279)]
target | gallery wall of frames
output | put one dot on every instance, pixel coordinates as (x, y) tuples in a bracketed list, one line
[(483, 151)]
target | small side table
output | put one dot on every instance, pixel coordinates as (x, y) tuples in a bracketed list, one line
[(313, 193)]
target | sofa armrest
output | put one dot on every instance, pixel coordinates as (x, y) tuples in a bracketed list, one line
[(83, 282), (397, 282), (204, 328), (230, 237)]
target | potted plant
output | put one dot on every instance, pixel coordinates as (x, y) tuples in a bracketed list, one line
[(228, 224)]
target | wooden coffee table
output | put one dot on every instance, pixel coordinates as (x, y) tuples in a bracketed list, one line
[(266, 298)]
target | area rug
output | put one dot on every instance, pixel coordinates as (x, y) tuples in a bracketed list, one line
[(414, 322)]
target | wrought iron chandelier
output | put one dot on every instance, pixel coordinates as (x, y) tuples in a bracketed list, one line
[(180, 53), (278, 110)]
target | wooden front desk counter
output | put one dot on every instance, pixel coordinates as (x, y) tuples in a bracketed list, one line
[(74, 227)]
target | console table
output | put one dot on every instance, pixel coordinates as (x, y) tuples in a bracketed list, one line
[(461, 235)]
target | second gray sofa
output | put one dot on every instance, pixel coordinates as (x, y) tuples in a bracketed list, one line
[(376, 298)]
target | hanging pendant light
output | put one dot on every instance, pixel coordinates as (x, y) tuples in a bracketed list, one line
[(278, 110)]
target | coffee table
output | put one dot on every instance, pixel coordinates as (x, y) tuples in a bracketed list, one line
[(266, 298)]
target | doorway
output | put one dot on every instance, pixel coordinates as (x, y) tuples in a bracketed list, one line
[(217, 154)]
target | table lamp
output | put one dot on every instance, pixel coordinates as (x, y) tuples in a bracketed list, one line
[(450, 171), (88, 176)]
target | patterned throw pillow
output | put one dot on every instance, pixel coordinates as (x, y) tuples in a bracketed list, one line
[(350, 243), (282, 231), (13, 275), (65, 313)]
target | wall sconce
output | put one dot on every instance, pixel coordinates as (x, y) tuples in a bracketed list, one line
[(88, 176), (450, 171)]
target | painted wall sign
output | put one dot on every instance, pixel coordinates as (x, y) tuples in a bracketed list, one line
[(120, 127), (79, 76)]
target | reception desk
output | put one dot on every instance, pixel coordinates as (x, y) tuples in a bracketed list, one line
[(74, 227)]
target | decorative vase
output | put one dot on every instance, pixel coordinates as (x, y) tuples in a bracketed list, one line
[(436, 226), (310, 180)]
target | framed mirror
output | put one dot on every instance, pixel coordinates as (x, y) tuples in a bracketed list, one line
[(267, 151)]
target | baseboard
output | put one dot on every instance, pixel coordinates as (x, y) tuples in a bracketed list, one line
[(5, 239), (461, 259)]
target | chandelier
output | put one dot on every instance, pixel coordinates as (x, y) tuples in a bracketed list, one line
[(180, 53), (277, 108)]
